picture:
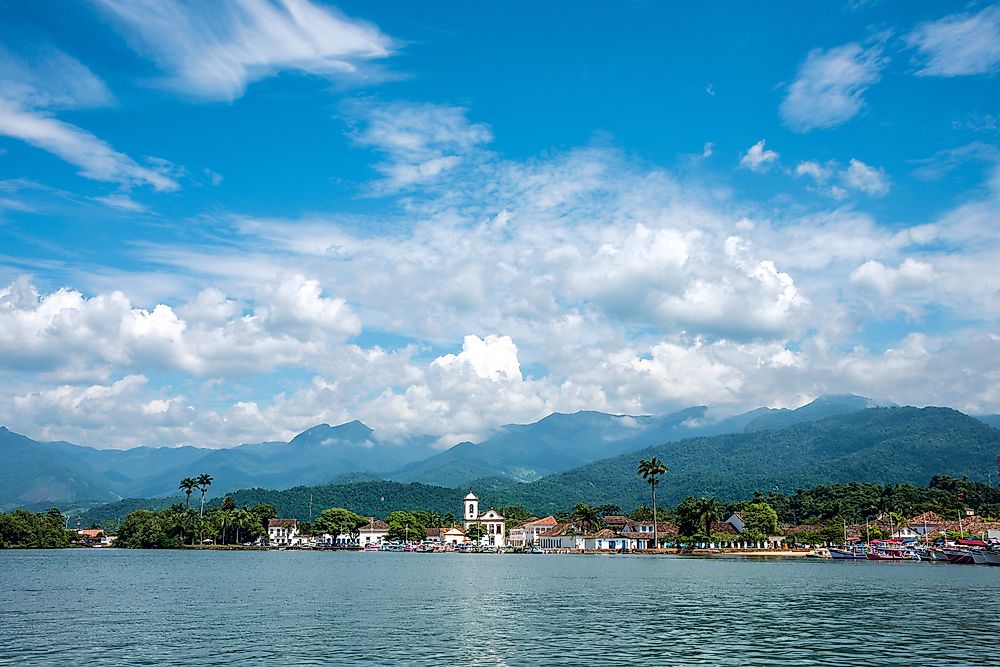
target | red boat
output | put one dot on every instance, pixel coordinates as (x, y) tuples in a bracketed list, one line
[(958, 556)]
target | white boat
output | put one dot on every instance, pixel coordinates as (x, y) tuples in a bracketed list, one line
[(978, 556), (992, 557)]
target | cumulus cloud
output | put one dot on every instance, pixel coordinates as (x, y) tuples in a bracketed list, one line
[(592, 282), (758, 159), (829, 86), (492, 358), (886, 281), (960, 44), (64, 330), (213, 51)]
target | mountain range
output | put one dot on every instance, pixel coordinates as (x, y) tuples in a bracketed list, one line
[(61, 473)]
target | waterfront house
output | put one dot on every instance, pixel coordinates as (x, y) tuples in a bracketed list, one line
[(527, 533), (374, 532), (434, 535), (562, 536), (283, 532), (494, 524), (453, 535), (606, 540)]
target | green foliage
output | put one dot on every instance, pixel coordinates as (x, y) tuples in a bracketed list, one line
[(760, 519), (146, 529), (407, 525), (337, 520), (177, 525), (515, 514), (475, 532), (688, 516), (26, 530), (587, 517)]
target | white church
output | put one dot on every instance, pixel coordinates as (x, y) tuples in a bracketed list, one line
[(491, 520)]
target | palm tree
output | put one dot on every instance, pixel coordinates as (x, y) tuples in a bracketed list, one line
[(246, 519), (204, 481), (189, 484), (587, 515), (651, 469), (709, 511)]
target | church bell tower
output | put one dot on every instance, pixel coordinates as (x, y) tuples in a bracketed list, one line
[(471, 507)]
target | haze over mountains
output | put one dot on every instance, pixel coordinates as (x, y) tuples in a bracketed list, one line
[(60, 473)]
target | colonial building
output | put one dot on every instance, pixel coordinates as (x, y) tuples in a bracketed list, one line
[(453, 535), (493, 523), (282, 532), (527, 533), (374, 532)]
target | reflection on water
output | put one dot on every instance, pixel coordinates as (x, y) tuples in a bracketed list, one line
[(120, 607)]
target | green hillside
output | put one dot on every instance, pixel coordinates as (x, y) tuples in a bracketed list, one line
[(878, 445), (884, 445)]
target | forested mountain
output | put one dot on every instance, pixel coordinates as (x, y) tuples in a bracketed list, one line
[(61, 472), (881, 445), (30, 473), (885, 445), (528, 452)]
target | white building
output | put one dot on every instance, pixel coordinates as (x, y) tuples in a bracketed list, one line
[(562, 536), (283, 532), (527, 533), (491, 520), (374, 532), (453, 535)]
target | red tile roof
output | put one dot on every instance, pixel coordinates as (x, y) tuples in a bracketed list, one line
[(282, 523)]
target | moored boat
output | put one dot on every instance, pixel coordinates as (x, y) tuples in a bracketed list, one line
[(992, 557), (847, 554), (978, 556), (958, 556)]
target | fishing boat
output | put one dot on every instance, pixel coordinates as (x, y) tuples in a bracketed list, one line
[(890, 551), (847, 554), (958, 556), (978, 556), (992, 557)]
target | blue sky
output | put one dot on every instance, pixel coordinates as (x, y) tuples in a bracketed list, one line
[(227, 222)]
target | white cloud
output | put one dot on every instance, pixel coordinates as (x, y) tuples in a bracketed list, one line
[(421, 141), (838, 182), (960, 44), (829, 86), (50, 79), (214, 50), (122, 202), (28, 93), (816, 170), (757, 158), (886, 281), (95, 158), (291, 322), (492, 358), (708, 149), (865, 178), (619, 287)]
